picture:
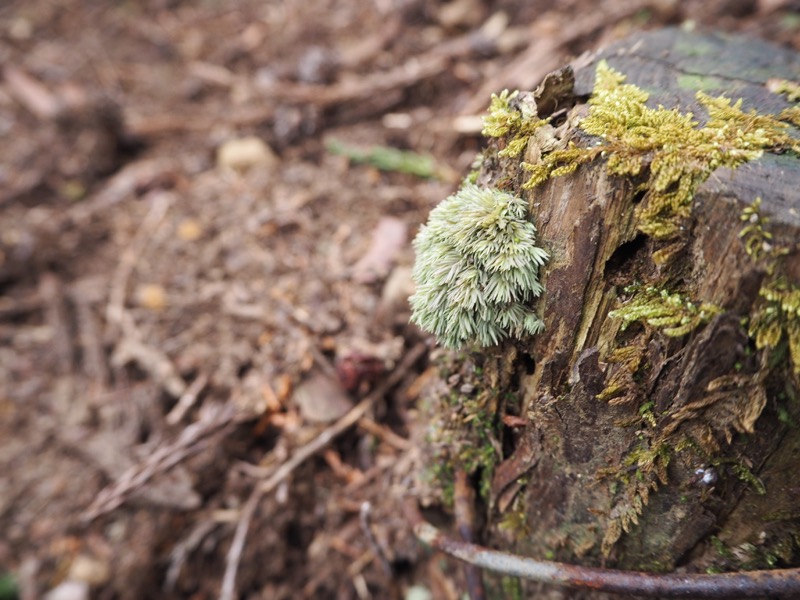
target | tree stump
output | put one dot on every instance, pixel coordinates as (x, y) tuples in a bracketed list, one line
[(654, 424)]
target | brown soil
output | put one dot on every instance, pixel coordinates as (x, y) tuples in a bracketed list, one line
[(174, 328)]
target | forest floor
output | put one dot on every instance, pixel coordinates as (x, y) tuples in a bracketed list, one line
[(205, 252)]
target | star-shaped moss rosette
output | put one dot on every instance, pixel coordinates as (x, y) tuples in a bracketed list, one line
[(477, 269)]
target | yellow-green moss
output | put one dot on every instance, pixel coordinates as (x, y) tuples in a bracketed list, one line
[(515, 518), (672, 314), (791, 115), (777, 318), (672, 155), (512, 588), (755, 236), (512, 119), (665, 146), (667, 154), (790, 89), (640, 474), (620, 387), (743, 473)]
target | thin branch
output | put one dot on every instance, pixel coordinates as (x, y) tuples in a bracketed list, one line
[(187, 399), (364, 519), (778, 583), (302, 454), (213, 423)]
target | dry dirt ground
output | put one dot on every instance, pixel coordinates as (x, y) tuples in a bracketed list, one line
[(204, 266)]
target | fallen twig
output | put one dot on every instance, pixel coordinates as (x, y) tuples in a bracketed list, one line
[(131, 346), (366, 526), (93, 359), (384, 434), (298, 458), (115, 310), (32, 94), (214, 421), (778, 583), (180, 553), (52, 294), (187, 399)]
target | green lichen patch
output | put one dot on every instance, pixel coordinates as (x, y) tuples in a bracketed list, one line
[(477, 269), (668, 147), (672, 314)]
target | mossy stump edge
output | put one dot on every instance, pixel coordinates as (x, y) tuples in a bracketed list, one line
[(654, 424)]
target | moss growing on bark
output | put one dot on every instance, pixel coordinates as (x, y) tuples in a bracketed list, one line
[(672, 314), (513, 118), (668, 148), (665, 154), (776, 320)]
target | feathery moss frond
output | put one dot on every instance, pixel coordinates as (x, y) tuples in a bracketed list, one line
[(677, 154), (510, 117), (779, 313), (672, 314)]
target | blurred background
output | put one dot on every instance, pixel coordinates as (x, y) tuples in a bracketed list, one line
[(206, 215)]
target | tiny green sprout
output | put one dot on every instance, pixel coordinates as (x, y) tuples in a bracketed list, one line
[(477, 269), (387, 159)]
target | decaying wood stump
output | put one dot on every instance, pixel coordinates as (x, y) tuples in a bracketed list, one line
[(655, 423)]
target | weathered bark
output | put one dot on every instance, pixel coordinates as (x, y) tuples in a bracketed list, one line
[(577, 466)]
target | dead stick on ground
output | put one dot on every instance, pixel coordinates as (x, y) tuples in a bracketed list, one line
[(299, 457), (213, 423), (131, 346), (187, 399), (777, 583), (376, 548)]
